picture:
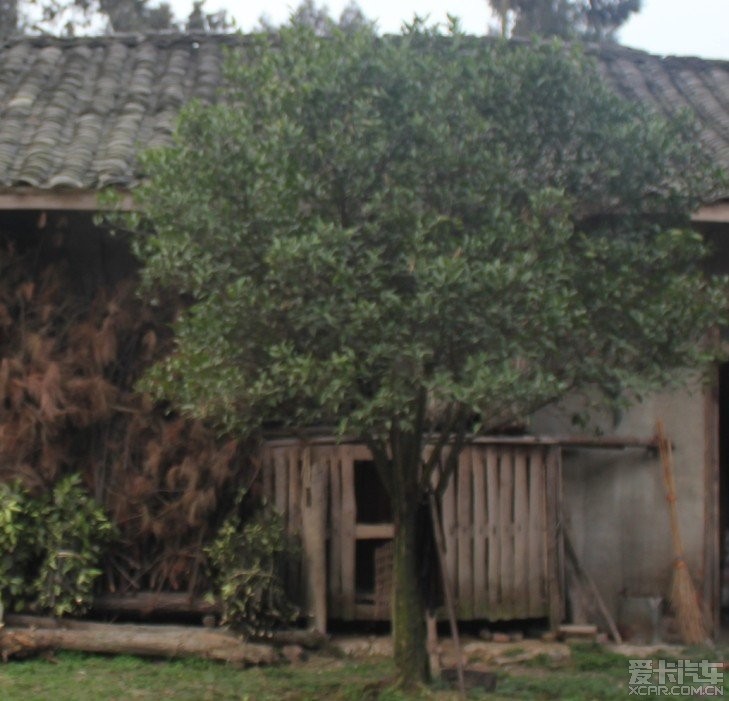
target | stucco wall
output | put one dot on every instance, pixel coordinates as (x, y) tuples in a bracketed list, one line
[(615, 499)]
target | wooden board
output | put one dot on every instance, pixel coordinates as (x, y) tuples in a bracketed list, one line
[(493, 521), (335, 535), (537, 536), (348, 541), (506, 532), (480, 535), (464, 518), (521, 533), (555, 581)]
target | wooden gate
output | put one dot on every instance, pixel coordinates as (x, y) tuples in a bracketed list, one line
[(500, 514)]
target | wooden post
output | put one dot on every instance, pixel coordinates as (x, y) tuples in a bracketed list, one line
[(314, 475)]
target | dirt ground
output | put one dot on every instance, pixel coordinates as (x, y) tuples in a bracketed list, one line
[(477, 651)]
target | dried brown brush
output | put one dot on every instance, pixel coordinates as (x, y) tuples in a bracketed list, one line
[(68, 366)]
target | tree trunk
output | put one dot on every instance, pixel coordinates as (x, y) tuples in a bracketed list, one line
[(408, 605)]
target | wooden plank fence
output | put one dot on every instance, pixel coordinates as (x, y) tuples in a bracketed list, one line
[(500, 514)]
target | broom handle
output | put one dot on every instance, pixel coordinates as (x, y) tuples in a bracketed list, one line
[(666, 450)]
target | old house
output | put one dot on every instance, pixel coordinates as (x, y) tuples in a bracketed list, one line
[(74, 115)]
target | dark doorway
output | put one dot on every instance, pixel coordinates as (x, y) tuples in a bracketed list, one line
[(373, 537), (373, 502)]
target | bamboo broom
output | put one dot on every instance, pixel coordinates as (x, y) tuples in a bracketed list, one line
[(684, 599)]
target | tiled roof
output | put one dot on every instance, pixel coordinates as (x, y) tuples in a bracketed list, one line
[(74, 113), (672, 84)]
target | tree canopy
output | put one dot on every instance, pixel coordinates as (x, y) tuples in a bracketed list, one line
[(417, 237), (69, 17), (595, 20)]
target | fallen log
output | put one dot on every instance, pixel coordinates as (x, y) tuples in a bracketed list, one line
[(308, 639), (130, 639)]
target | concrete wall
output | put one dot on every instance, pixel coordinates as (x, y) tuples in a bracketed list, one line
[(615, 499)]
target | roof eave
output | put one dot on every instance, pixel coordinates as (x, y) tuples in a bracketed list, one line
[(30, 198), (717, 213)]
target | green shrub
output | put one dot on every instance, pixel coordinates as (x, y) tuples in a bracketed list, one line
[(51, 547), (20, 548), (245, 560), (75, 532)]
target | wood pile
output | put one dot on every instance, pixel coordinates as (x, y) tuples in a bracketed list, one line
[(68, 367)]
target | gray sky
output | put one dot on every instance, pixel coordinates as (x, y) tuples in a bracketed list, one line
[(684, 27)]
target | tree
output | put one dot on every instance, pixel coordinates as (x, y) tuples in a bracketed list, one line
[(318, 18), (8, 17), (134, 15), (415, 238), (200, 21), (595, 20), (68, 17)]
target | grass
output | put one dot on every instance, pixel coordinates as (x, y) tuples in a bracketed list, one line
[(79, 677), (589, 673)]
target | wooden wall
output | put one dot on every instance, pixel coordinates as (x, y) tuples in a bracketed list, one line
[(500, 515)]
